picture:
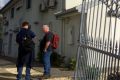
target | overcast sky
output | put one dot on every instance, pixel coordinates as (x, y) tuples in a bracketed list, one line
[(3, 2)]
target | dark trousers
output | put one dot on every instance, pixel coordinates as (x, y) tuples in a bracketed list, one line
[(24, 58)]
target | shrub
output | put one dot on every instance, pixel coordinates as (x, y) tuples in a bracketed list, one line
[(56, 59), (72, 64)]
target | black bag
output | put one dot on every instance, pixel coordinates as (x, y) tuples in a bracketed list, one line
[(27, 43)]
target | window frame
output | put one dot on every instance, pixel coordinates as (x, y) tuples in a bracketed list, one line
[(12, 12), (28, 4)]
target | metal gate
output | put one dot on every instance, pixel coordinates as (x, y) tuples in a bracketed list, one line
[(98, 55)]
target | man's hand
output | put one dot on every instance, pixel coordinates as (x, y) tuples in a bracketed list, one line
[(46, 46), (45, 50), (35, 39)]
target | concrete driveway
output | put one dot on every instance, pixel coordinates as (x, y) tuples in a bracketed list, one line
[(8, 72)]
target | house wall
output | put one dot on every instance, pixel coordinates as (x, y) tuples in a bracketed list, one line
[(32, 15), (67, 28), (71, 35)]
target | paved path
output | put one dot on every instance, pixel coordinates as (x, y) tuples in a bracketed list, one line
[(8, 72)]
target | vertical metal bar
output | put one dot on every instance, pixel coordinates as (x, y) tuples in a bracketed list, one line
[(88, 32), (116, 47), (86, 59), (100, 64), (94, 66), (89, 62), (113, 47), (84, 62), (105, 64), (93, 19), (118, 66), (101, 16), (81, 67), (109, 58), (101, 20), (93, 41), (114, 34), (91, 53), (118, 60), (89, 16), (84, 33), (88, 50), (103, 48), (97, 18), (104, 42), (77, 65), (109, 36), (97, 54)]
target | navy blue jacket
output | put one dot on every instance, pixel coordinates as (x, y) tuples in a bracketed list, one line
[(22, 33), (22, 56)]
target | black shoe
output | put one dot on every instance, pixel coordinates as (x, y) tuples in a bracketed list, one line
[(46, 76)]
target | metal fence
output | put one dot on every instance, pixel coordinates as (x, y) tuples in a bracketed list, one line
[(98, 55)]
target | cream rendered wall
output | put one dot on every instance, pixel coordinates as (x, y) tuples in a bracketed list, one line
[(72, 3), (72, 23)]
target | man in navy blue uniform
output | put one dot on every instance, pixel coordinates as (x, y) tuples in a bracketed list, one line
[(25, 55)]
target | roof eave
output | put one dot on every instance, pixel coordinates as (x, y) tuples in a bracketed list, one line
[(61, 14)]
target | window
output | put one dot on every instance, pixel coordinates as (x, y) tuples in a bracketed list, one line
[(44, 5), (12, 13), (18, 8), (52, 3), (28, 4), (19, 5)]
